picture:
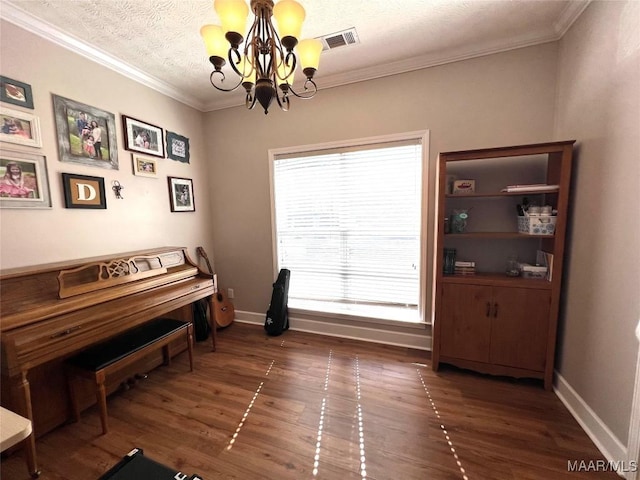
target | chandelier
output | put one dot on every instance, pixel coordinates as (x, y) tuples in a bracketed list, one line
[(267, 61)]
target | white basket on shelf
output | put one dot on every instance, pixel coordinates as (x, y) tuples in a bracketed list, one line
[(537, 225)]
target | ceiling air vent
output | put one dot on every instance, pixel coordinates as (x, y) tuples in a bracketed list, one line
[(339, 39)]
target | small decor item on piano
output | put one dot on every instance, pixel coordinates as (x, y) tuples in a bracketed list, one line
[(277, 320), (181, 194)]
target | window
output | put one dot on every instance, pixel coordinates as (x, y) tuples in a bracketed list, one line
[(348, 225)]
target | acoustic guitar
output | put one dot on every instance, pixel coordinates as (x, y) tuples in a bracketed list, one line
[(223, 311)]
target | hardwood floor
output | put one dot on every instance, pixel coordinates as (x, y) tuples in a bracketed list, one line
[(303, 406)]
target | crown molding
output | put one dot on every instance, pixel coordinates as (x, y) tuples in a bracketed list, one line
[(568, 16), (398, 67), (19, 17), (28, 22)]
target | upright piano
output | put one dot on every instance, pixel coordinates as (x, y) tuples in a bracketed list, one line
[(49, 312)]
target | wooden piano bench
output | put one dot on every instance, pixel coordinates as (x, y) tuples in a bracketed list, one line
[(100, 360)]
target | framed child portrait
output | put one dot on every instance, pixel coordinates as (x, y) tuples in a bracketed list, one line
[(24, 181), (181, 194), (145, 166), (20, 128)]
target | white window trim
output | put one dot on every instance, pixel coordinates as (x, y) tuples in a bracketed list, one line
[(426, 262)]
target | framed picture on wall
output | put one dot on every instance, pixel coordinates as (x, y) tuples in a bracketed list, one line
[(145, 166), (24, 182), (177, 147), (83, 191), (86, 134), (15, 92), (181, 194), (143, 137), (19, 127)]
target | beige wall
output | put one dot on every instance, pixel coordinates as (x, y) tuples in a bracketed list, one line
[(501, 99), (143, 219), (495, 100), (599, 105)]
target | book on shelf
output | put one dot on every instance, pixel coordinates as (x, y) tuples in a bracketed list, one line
[(533, 187), (546, 260), (458, 271), (464, 268), (460, 263)]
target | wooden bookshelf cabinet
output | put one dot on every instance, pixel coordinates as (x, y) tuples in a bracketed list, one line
[(490, 322)]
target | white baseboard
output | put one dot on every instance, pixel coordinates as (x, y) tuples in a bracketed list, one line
[(353, 332), (608, 444)]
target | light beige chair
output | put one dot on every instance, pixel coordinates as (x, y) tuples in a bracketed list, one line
[(14, 429)]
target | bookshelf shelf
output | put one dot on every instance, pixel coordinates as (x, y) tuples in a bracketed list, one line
[(488, 321)]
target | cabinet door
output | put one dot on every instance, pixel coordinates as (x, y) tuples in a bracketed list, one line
[(465, 322), (520, 327)]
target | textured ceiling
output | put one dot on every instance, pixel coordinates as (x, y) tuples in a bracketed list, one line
[(158, 42)]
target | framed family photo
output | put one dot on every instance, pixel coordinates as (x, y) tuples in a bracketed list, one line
[(24, 182), (143, 137), (144, 166), (177, 147), (19, 127), (86, 134), (15, 92), (83, 191), (181, 194)]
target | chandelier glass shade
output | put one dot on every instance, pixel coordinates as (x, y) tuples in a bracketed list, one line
[(265, 62)]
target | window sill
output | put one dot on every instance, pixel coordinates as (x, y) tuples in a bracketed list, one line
[(396, 316)]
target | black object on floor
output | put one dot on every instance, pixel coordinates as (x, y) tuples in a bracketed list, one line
[(277, 320), (135, 466)]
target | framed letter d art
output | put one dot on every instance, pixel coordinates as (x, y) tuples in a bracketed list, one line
[(82, 191)]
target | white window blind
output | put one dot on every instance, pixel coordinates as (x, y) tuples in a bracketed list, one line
[(348, 224)]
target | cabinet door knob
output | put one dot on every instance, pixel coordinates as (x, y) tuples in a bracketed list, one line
[(495, 310), (488, 309)]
